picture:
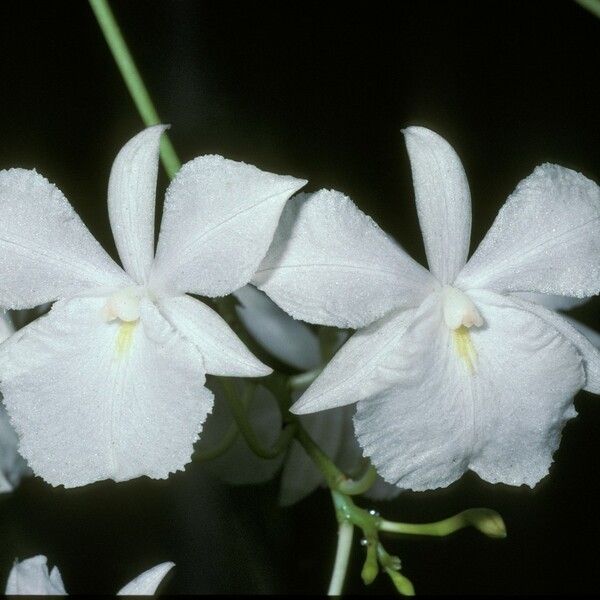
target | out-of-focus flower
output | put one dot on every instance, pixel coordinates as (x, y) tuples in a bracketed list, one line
[(31, 577), (12, 464), (110, 384), (450, 370)]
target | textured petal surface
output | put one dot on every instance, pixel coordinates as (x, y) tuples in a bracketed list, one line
[(285, 338), (503, 419), (146, 583), (551, 301), (572, 331), (443, 201), (30, 577), (359, 369), (92, 400), (131, 201), (46, 252), (331, 264), (218, 222), (221, 349), (546, 238), (239, 465)]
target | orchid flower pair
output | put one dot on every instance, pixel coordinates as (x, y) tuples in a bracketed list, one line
[(452, 369)]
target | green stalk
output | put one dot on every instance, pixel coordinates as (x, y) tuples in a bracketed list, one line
[(133, 80), (487, 521), (238, 408), (592, 5), (342, 556)]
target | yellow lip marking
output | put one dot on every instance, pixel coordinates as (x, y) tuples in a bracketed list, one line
[(125, 337), (465, 348)]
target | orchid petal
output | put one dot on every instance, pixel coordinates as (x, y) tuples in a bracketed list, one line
[(30, 577), (46, 252), (443, 201), (12, 465), (131, 201), (571, 330), (218, 221), (92, 400), (551, 301), (546, 238), (6, 326), (330, 264), (501, 416), (359, 368), (221, 349), (591, 334), (289, 340), (146, 583)]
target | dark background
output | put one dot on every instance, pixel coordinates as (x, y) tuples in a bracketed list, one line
[(320, 91)]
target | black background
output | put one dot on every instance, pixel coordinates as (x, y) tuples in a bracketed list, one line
[(320, 91)]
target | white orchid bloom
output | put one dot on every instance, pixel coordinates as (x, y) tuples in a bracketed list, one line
[(110, 384), (449, 370), (31, 577), (12, 465)]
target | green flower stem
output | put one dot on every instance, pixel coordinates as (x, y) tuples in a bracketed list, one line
[(592, 5), (333, 475), (487, 521), (238, 408), (353, 487), (342, 556), (222, 447), (133, 80)]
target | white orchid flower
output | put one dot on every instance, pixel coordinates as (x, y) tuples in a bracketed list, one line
[(449, 370), (110, 384), (12, 465), (296, 344), (31, 577)]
